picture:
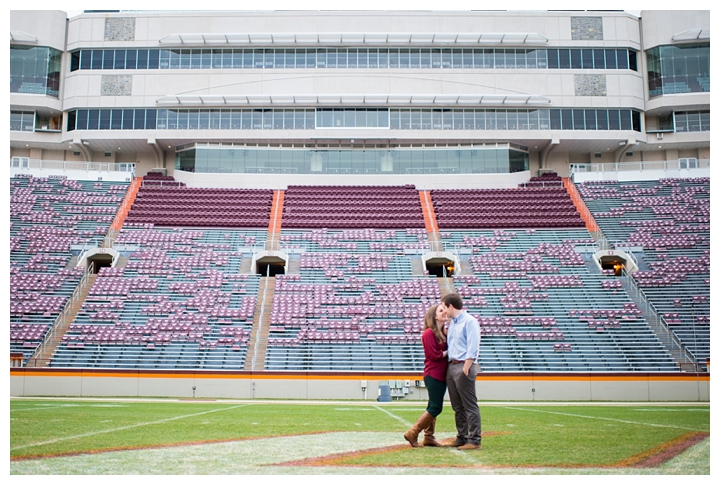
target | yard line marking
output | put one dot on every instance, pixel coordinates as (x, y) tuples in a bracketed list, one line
[(607, 419), (122, 428), (403, 421)]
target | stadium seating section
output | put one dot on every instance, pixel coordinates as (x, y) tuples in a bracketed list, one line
[(354, 290)]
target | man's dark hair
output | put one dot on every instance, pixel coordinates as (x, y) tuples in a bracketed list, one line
[(454, 300)]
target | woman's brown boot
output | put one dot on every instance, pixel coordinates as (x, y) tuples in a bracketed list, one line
[(429, 439), (412, 434)]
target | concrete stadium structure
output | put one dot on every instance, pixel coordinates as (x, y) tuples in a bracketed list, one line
[(436, 100)]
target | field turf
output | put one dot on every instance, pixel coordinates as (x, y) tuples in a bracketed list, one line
[(186, 437)]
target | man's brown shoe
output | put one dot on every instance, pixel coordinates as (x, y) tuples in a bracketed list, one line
[(456, 443), (469, 446)]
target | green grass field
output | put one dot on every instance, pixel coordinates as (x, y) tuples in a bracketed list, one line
[(116, 436)]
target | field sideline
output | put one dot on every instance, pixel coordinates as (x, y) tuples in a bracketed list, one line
[(116, 436)]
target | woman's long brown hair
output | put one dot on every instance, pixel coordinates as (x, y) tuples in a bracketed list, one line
[(432, 324)]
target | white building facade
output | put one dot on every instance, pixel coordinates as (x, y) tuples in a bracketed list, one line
[(438, 99)]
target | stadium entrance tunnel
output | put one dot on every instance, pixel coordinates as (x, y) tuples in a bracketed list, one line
[(101, 257), (616, 261), (269, 263), (441, 264)]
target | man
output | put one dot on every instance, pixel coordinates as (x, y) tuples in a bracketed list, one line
[(463, 349)]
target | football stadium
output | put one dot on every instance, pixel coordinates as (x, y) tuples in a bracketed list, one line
[(226, 228)]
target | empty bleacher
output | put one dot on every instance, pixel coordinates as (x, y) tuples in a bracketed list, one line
[(179, 302), (47, 217), (352, 298), (666, 224)]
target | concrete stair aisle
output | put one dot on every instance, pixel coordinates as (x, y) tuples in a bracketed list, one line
[(664, 335), (45, 351), (257, 347), (446, 286)]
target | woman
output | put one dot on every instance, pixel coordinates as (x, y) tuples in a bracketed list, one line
[(435, 346)]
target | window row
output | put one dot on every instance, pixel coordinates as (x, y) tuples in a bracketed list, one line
[(360, 58), (395, 119)]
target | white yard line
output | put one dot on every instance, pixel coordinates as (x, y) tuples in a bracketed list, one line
[(607, 419), (405, 422), (122, 428)]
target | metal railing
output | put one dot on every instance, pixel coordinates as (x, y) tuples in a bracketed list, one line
[(62, 318), (65, 165), (639, 166), (674, 341)]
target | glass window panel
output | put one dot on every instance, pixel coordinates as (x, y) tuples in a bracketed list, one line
[(278, 58), (372, 58), (564, 58), (97, 59), (383, 118), (490, 119), (206, 58), (479, 119), (425, 58), (105, 119), (415, 119), (151, 117), (189, 58), (542, 58), (610, 59), (468, 119), (553, 59), (153, 59), (310, 119), (625, 120), (362, 55), (622, 58), (331, 58), (352, 58), (521, 59), (119, 59), (108, 59), (598, 58), (342, 58), (531, 60), (587, 58), (446, 58), (522, 119), (501, 119), (499, 58), (311, 58), (405, 119), (512, 120), (457, 61), (93, 122), (704, 121), (383, 58), (185, 119), (426, 121), (578, 119), (393, 58), (555, 121), (575, 59), (131, 59), (602, 119), (510, 62), (361, 118), (349, 117), (567, 119), (590, 122), (127, 119), (544, 118), (436, 58), (321, 58), (533, 119), (613, 119), (139, 122), (258, 58), (394, 119), (414, 58), (204, 120), (85, 59)]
